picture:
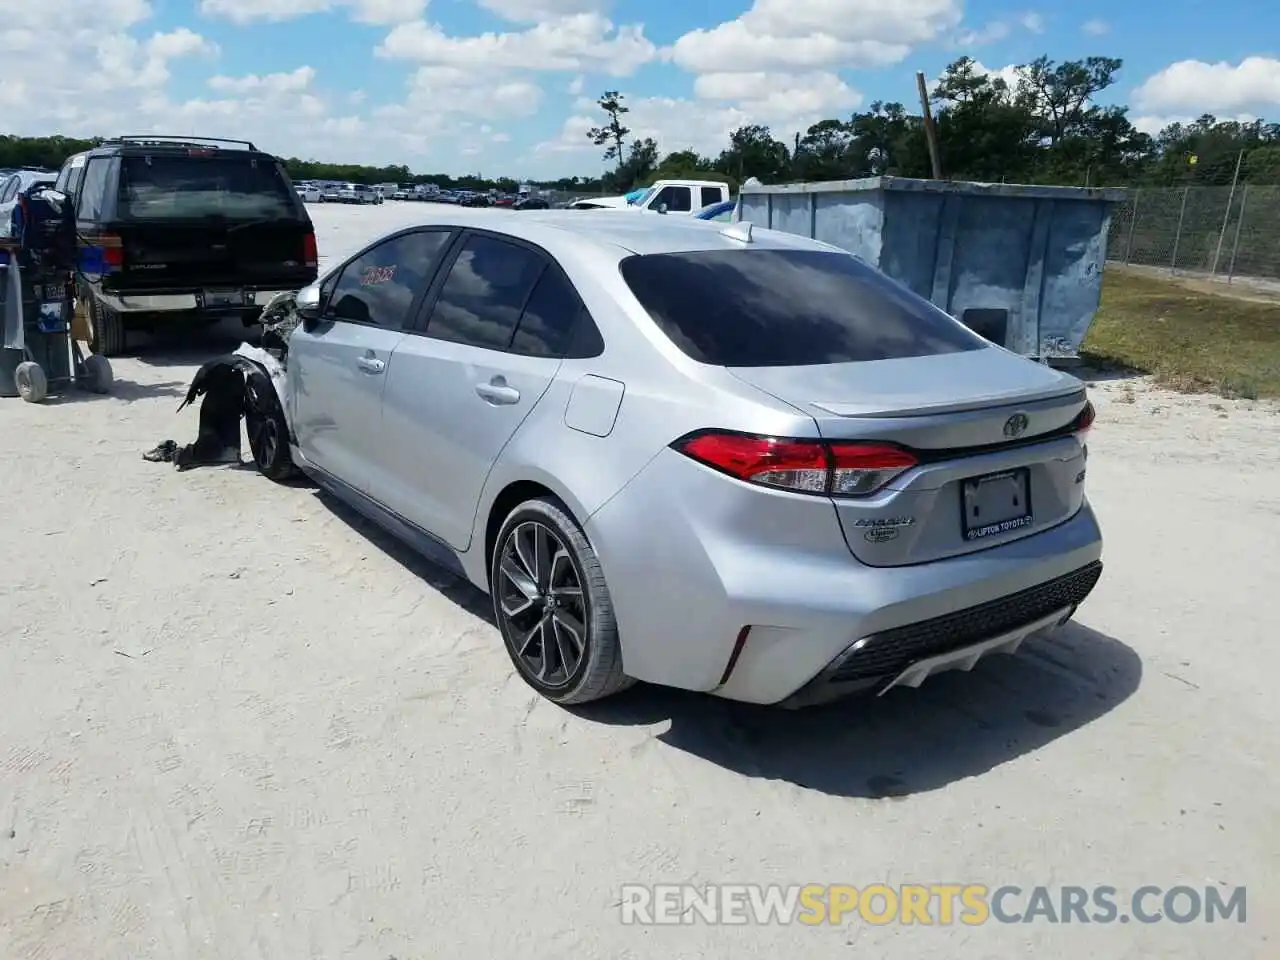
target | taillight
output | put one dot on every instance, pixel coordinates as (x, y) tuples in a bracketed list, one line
[(112, 250), (1084, 420), (839, 469), (310, 255)]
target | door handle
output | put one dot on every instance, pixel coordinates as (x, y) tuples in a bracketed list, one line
[(371, 364), (497, 392)]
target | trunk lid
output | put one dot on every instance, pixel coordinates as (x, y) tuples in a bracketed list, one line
[(969, 415)]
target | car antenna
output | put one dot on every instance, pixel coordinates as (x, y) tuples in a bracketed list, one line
[(740, 231)]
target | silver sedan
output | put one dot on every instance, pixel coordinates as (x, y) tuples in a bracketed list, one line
[(714, 457)]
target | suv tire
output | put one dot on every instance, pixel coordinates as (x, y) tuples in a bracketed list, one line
[(106, 329)]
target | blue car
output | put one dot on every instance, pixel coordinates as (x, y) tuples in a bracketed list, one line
[(721, 212)]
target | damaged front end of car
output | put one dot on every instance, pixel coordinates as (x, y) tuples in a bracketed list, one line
[(248, 384)]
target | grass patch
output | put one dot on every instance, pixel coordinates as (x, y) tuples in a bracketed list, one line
[(1188, 339)]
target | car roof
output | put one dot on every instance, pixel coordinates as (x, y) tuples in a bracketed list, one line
[(617, 231)]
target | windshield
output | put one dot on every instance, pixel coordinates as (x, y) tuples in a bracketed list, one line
[(770, 307), (645, 197), (162, 187)]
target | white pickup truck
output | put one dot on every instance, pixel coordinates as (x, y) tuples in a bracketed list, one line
[(679, 197)]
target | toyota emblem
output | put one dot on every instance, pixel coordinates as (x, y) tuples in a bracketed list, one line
[(1016, 425)]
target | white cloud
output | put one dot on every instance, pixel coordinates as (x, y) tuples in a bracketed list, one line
[(273, 83), (991, 33), (531, 11), (1096, 28), (1032, 21), (376, 12), (581, 42), (454, 90), (1194, 87), (1154, 124), (811, 34), (575, 86)]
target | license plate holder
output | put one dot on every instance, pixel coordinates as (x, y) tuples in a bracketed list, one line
[(223, 298), (995, 503)]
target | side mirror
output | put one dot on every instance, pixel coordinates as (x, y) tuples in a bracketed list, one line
[(662, 208), (307, 306)]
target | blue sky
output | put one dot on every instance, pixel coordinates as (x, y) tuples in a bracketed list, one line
[(505, 86)]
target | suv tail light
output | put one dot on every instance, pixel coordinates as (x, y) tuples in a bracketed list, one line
[(310, 256), (1080, 426), (833, 469), (112, 250)]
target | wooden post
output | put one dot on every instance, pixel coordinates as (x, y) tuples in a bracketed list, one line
[(930, 132)]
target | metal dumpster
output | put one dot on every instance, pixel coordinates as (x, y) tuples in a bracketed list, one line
[(1020, 265)]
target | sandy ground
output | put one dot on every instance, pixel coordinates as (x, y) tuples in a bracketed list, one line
[(237, 723)]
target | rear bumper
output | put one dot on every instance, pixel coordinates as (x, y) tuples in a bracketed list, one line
[(692, 558), (183, 302)]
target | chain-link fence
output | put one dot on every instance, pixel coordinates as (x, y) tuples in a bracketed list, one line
[(1220, 232)]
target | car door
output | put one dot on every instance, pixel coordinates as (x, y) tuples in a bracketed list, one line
[(458, 391), (338, 366)]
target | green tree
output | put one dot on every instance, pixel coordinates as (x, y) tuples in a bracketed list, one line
[(612, 136)]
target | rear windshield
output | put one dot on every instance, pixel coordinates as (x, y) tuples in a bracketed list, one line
[(180, 186), (787, 308)]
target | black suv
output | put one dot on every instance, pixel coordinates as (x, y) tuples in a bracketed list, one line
[(176, 228)]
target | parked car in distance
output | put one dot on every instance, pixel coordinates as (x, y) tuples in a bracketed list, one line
[(347, 193), (179, 229), (331, 192), (14, 187), (859, 494), (532, 203), (309, 193), (366, 194), (400, 195)]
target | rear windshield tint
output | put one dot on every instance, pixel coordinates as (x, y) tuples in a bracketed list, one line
[(178, 186), (786, 308)]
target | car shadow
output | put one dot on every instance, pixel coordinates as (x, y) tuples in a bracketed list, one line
[(190, 344), (126, 390), (957, 725)]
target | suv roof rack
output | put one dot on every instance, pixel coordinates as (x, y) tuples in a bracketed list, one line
[(166, 140)]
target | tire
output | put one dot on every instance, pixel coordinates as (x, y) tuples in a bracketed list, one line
[(97, 371), (597, 672), (268, 431), (32, 384), (106, 329)]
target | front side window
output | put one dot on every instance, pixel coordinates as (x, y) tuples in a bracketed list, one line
[(8, 189), (380, 285), (677, 199), (176, 186), (482, 298), (766, 308)]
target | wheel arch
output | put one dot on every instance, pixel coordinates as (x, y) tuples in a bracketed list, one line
[(510, 496)]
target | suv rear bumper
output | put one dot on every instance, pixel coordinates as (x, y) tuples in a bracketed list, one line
[(185, 302)]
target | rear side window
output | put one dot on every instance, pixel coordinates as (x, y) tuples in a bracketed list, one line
[(8, 189), (555, 322), (710, 195), (785, 308), (176, 186), (482, 298), (93, 189)]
